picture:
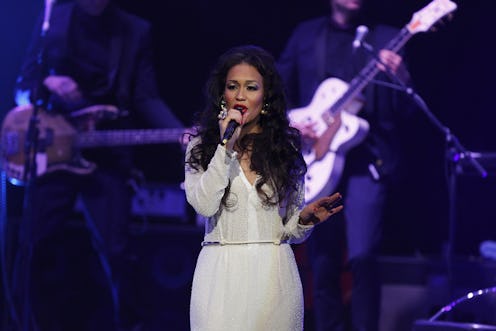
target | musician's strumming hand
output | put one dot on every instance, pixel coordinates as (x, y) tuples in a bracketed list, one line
[(395, 64), (308, 132), (318, 211), (64, 87)]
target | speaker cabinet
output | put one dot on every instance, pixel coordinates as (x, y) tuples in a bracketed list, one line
[(475, 206), (411, 289), (163, 264), (415, 290)]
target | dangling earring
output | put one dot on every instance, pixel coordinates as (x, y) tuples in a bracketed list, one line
[(265, 110), (223, 109), (223, 104)]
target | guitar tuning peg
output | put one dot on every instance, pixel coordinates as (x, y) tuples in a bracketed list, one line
[(441, 23), (433, 29), (450, 16)]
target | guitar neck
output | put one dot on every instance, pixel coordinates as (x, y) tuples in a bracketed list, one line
[(365, 75), (128, 137)]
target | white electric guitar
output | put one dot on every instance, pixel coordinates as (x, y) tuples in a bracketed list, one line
[(335, 104)]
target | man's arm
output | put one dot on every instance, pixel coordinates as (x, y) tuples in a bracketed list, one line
[(154, 111)]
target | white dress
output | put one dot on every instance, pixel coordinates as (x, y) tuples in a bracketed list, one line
[(246, 277)]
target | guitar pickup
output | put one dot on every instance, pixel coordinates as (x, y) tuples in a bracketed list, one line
[(47, 140), (10, 143)]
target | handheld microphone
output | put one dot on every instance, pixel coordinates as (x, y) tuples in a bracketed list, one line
[(361, 32), (231, 127)]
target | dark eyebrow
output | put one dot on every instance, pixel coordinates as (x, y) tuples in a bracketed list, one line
[(248, 81)]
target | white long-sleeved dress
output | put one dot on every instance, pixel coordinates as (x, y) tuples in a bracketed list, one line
[(246, 277)]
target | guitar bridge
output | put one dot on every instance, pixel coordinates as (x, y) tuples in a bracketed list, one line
[(328, 119)]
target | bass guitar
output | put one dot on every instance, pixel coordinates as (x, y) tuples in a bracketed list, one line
[(59, 142), (333, 108)]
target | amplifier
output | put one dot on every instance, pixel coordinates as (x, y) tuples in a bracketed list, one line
[(160, 200), (156, 200)]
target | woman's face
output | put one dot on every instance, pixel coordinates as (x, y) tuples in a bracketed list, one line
[(244, 90)]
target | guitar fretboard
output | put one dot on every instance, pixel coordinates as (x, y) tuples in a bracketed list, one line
[(128, 137), (365, 75)]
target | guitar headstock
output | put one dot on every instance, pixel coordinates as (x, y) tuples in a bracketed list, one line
[(425, 18)]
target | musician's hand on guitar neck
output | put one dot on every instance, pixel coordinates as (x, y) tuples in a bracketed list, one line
[(64, 87), (308, 132), (395, 64), (321, 209)]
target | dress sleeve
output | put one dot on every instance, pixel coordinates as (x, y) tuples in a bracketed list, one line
[(205, 188), (294, 231)]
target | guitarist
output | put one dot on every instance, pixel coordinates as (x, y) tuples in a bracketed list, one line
[(321, 48), (95, 53)]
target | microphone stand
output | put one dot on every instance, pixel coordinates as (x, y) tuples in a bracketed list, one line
[(454, 152), (5, 253), (31, 147)]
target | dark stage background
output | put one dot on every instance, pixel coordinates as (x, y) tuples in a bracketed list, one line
[(453, 70)]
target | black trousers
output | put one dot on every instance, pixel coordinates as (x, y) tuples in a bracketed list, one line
[(50, 204)]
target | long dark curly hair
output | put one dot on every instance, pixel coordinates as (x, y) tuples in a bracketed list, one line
[(275, 151)]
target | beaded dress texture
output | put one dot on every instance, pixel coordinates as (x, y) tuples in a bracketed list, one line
[(246, 277)]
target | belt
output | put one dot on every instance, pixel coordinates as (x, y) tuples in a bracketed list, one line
[(223, 243)]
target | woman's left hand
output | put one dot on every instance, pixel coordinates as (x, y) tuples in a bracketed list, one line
[(318, 211)]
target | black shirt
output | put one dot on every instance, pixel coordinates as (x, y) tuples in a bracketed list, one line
[(89, 48)]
